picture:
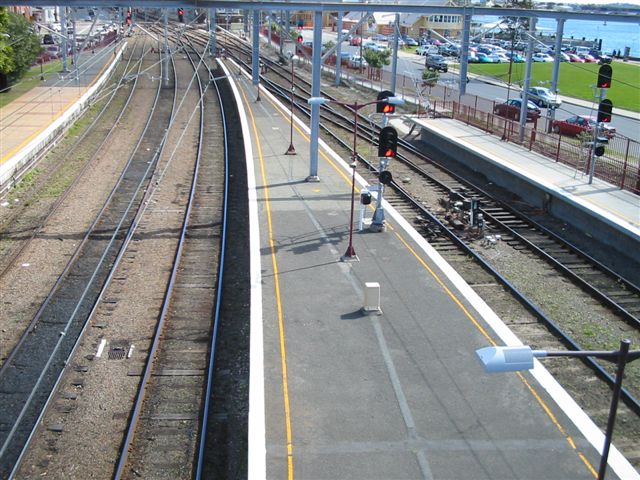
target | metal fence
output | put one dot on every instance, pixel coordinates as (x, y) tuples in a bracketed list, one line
[(620, 164)]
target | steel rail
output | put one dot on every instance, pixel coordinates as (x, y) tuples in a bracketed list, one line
[(628, 398), (155, 344), (59, 342), (77, 142)]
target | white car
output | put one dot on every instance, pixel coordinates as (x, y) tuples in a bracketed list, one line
[(541, 57), (498, 58), (356, 61), (376, 47), (427, 50)]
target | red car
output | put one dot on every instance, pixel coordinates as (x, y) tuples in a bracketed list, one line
[(587, 58), (577, 124), (575, 58), (355, 41), (511, 109)]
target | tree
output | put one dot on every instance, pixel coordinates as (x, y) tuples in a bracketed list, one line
[(19, 50), (430, 78), (377, 58)]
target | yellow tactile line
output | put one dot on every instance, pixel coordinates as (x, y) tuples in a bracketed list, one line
[(19, 147), (466, 312), (276, 278)]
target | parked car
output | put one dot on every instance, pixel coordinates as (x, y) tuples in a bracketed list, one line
[(427, 50), (588, 58), (564, 57), (472, 58), (498, 58), (575, 58), (376, 47), (511, 109), (543, 97), (355, 41), (411, 42), (483, 58), (436, 62), (515, 57), (604, 59), (541, 57), (356, 61), (577, 124), (344, 58), (378, 37)]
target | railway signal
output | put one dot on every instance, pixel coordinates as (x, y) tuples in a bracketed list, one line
[(388, 142), (384, 106), (605, 111), (181, 15), (604, 76)]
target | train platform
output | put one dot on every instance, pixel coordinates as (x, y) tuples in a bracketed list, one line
[(619, 209), (367, 369), (29, 123)]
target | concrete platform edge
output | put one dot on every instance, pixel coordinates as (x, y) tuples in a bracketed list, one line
[(42, 140), (578, 417)]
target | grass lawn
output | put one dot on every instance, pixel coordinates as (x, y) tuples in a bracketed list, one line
[(575, 80), (29, 81)]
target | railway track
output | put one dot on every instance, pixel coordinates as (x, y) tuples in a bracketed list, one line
[(34, 366), (426, 192), (152, 333), (164, 435), (19, 226)]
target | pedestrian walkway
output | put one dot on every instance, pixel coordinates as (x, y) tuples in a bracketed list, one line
[(29, 123), (366, 369)]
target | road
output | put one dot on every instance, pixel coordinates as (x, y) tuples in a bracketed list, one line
[(411, 64)]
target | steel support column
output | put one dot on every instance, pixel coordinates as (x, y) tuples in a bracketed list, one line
[(527, 78), (558, 48), (315, 92), (556, 68), (165, 55), (212, 31), (65, 36), (255, 52), (394, 59), (339, 50), (74, 45), (464, 53)]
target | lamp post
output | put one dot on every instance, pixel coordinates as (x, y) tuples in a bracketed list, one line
[(511, 359), (291, 150), (350, 254)]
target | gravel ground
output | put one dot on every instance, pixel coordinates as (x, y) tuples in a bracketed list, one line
[(40, 264)]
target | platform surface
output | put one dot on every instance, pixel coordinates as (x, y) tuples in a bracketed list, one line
[(394, 395)]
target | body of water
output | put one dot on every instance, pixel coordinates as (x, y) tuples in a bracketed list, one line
[(615, 36)]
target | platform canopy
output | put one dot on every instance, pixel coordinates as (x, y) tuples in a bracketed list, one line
[(402, 6)]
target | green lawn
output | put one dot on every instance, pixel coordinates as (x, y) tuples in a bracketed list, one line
[(575, 80), (29, 81)]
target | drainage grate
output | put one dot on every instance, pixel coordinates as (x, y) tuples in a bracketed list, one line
[(118, 352)]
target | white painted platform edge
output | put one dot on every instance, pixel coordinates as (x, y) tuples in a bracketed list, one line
[(608, 217), (35, 145), (618, 463), (257, 450)]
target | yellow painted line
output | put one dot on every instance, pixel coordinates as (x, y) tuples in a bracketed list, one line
[(276, 278), (460, 305), (19, 147)]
